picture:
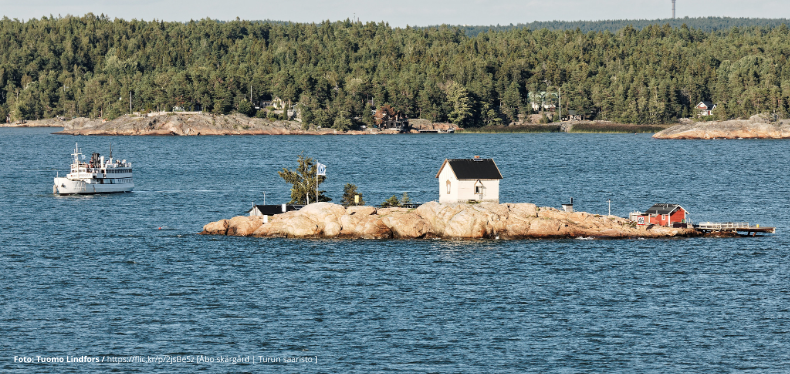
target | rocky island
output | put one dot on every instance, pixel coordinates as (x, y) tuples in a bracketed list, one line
[(756, 127), (443, 221)]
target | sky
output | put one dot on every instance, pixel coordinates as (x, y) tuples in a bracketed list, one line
[(398, 13)]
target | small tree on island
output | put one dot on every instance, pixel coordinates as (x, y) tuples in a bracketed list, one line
[(349, 191), (304, 181), (394, 202), (391, 202)]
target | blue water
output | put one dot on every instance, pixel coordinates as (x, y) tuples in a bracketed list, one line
[(125, 276)]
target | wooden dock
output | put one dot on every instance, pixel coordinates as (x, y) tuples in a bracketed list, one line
[(740, 227)]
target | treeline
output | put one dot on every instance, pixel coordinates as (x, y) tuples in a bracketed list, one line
[(338, 71), (706, 24)]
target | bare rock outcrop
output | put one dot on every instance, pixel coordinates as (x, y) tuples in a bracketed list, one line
[(196, 123), (46, 122), (756, 127), (434, 220), (191, 124), (243, 226), (216, 228)]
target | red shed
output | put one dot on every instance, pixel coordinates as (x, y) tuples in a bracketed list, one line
[(666, 214)]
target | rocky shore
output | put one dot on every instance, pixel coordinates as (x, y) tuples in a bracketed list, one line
[(49, 122), (756, 127), (434, 220), (192, 125)]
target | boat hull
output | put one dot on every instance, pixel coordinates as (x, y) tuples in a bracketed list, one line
[(65, 186)]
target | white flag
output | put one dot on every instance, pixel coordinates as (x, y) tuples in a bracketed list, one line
[(321, 169)]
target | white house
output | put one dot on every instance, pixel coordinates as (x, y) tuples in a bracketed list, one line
[(462, 180), (706, 108)]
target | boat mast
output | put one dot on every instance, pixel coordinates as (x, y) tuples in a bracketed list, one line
[(76, 155)]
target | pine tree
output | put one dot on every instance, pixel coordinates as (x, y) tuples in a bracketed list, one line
[(511, 102), (458, 96), (391, 202), (304, 182), (350, 195)]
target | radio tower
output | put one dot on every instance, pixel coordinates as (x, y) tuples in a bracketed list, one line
[(673, 9)]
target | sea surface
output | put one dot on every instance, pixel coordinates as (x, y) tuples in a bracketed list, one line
[(125, 277)]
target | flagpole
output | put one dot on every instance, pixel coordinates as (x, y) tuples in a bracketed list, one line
[(316, 183), (319, 170)]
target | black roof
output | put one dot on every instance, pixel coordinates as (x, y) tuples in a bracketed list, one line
[(708, 104), (270, 210), (663, 208), (473, 168)]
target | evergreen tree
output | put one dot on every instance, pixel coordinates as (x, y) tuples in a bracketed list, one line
[(342, 122), (511, 102), (304, 182), (246, 108), (405, 199), (350, 194), (458, 96), (391, 202)]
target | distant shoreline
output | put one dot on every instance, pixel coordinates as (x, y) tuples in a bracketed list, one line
[(578, 127), (175, 124)]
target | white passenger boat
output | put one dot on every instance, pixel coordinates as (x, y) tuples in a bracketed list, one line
[(96, 176)]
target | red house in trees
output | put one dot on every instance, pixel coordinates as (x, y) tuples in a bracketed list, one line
[(662, 215)]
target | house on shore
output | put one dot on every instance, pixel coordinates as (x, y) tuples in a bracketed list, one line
[(464, 180), (705, 108), (388, 118), (662, 215), (575, 115)]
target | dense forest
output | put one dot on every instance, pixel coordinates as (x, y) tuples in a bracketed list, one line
[(706, 24), (338, 71)]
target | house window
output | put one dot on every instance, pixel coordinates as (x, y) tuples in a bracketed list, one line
[(448, 187), (479, 188)]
